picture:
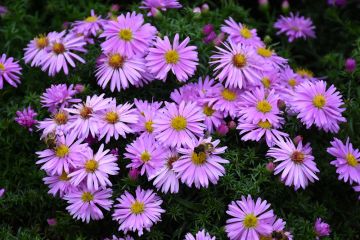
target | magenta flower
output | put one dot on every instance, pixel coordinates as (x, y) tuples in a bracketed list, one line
[(26, 118), (3, 10), (249, 219), (94, 169), (237, 64), (128, 35), (153, 5), (350, 65), (2, 192), (321, 228), (37, 49), (139, 212), (295, 27), (59, 183), (58, 123), (296, 164), (178, 57), (207, 29), (225, 100), (146, 113), (90, 26), (86, 120), (317, 105), (239, 33), (114, 121), (200, 163), (10, 71), (58, 96), (63, 156), (120, 70), (85, 204), (145, 153), (200, 235), (165, 178), (179, 124), (60, 53), (347, 160)]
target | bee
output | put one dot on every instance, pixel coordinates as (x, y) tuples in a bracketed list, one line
[(204, 147), (279, 235), (50, 140)]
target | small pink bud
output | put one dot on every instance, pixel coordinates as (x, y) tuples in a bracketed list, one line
[(134, 174), (209, 38), (350, 65), (270, 166), (222, 130), (232, 124), (2, 192), (207, 29), (115, 7), (197, 10), (51, 221), (205, 8), (298, 139), (285, 6), (263, 4), (321, 228), (79, 88)]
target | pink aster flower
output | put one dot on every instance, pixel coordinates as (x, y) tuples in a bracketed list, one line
[(37, 49), (94, 169), (85, 115), (145, 153), (58, 123), (178, 57), (146, 113), (114, 121), (153, 5), (200, 163), (90, 26), (278, 230), (63, 156), (165, 178), (239, 33), (85, 204), (10, 71), (249, 219), (128, 35), (237, 64), (225, 100), (258, 105), (120, 70), (187, 93), (26, 118), (295, 27), (270, 57), (58, 96), (213, 118), (139, 212), (261, 130), (296, 164), (347, 160), (321, 228), (317, 105), (201, 235), (178, 125), (60, 53), (59, 183)]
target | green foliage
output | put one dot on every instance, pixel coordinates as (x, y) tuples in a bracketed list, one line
[(26, 204)]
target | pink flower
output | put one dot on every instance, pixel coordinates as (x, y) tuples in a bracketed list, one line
[(133, 174), (201, 235), (59, 183), (51, 221), (26, 118), (163, 5), (321, 228), (2, 192), (58, 123), (58, 96), (90, 26), (37, 49), (10, 71), (350, 65), (222, 130)]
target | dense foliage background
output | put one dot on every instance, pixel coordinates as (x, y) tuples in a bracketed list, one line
[(26, 205)]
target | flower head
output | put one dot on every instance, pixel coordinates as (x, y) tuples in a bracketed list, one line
[(58, 123), (153, 5), (200, 235), (350, 64), (10, 71), (37, 49), (90, 26), (26, 118), (58, 96), (59, 183), (321, 228)]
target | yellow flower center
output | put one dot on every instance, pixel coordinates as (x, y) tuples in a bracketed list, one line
[(61, 118), (61, 150), (351, 160), (319, 101), (85, 112), (172, 57), (198, 158), (58, 48), (266, 82), (250, 221), (297, 157), (266, 238), (2, 67), (228, 95), (305, 72), (178, 123), (91, 19), (145, 156), (264, 124), (149, 126), (292, 82), (91, 166), (41, 41), (264, 52), (245, 33), (208, 111), (239, 60), (126, 34), (64, 177), (112, 117), (116, 60), (171, 160), (137, 207), (87, 197), (263, 106)]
